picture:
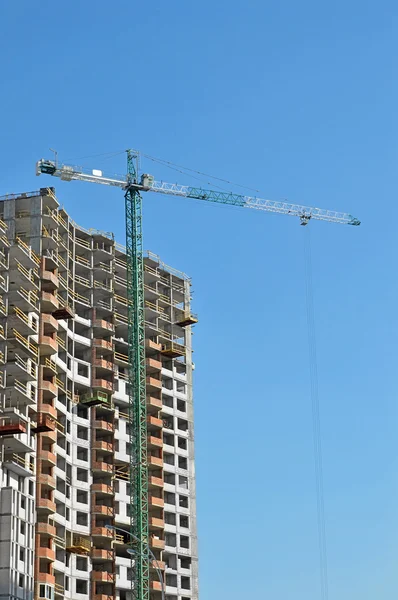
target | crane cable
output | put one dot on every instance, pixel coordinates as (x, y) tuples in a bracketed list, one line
[(316, 422)]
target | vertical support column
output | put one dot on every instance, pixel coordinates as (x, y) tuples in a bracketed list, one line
[(137, 380)]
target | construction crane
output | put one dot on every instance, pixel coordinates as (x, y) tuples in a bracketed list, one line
[(133, 184)]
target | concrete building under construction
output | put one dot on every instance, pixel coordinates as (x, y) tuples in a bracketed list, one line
[(65, 440)]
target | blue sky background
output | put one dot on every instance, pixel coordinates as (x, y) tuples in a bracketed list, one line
[(298, 100)]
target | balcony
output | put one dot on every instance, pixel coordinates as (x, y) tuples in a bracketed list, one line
[(152, 365), (46, 529), (152, 347), (157, 543), (46, 408), (60, 541), (102, 532), (121, 358), (27, 347), (103, 325), (95, 398), (120, 318), (155, 482), (46, 554), (153, 384), (103, 576), (158, 564), (102, 554), (121, 472), (20, 320), (156, 502), (59, 590), (49, 367), (154, 422), (102, 488), (79, 298), (25, 276), (49, 322), (102, 289), (18, 443), (101, 509), (49, 302), (45, 505), (47, 480), (101, 266), (24, 253), (103, 446), (48, 457), (154, 442), (23, 370), (45, 578), (103, 384), (50, 280), (156, 523), (47, 345), (155, 461), (102, 467), (61, 342), (103, 597), (104, 425), (105, 344), (153, 404), (106, 365), (20, 393)]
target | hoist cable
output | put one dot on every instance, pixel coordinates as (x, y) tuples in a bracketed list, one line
[(185, 169), (316, 421)]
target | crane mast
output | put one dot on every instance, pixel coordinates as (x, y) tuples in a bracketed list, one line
[(137, 380), (133, 186)]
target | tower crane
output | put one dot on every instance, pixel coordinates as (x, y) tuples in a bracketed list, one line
[(133, 185)]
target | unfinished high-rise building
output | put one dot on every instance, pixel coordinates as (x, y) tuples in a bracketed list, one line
[(65, 432)]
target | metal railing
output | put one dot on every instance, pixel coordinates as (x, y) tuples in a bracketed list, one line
[(26, 343), (28, 250)]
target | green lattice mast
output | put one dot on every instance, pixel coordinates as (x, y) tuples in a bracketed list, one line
[(137, 376)]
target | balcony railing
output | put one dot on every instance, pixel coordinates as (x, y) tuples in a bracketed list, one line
[(79, 298), (30, 274), (31, 297), (59, 589), (121, 318), (27, 366), (50, 364), (23, 388), (28, 250), (25, 463), (121, 357)]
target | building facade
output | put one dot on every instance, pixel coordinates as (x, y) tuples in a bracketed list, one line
[(64, 425)]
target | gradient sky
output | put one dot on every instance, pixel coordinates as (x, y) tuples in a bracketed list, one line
[(298, 100)]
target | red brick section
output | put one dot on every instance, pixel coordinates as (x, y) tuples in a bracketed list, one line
[(103, 576), (155, 456), (45, 438)]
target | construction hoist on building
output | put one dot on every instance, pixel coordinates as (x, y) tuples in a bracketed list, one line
[(133, 184)]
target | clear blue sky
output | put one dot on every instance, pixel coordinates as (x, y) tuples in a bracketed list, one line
[(299, 100)]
